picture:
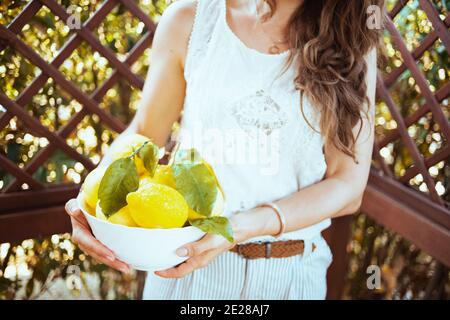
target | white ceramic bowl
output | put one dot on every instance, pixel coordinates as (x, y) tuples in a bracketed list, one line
[(143, 249)]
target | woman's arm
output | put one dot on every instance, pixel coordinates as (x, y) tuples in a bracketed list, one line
[(339, 194), (164, 90), (160, 105)]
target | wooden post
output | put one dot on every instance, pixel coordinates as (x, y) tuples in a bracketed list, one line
[(337, 237)]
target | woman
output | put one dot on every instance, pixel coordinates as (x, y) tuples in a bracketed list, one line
[(296, 76)]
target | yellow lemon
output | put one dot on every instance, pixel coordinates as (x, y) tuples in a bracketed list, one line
[(121, 217), (89, 210), (157, 206), (91, 185), (126, 146), (163, 175)]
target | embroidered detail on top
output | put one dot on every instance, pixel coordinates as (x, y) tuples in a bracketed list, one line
[(259, 111)]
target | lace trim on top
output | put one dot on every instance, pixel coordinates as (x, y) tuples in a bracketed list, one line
[(202, 31)]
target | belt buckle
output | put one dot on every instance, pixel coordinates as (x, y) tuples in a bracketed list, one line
[(268, 251), (238, 247)]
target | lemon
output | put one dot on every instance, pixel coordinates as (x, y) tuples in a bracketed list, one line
[(89, 210), (121, 217), (126, 146), (157, 206), (163, 175), (91, 185)]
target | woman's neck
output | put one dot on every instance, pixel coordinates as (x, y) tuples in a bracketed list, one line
[(283, 9), (255, 23)]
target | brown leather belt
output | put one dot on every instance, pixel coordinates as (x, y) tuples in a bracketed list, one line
[(277, 249)]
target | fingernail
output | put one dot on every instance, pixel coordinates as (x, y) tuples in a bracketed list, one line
[(182, 252), (125, 269), (111, 257)]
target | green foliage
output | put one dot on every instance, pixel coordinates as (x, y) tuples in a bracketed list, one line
[(121, 177), (216, 225), (197, 185), (149, 153), (119, 180), (87, 69), (406, 271), (42, 268), (413, 25)]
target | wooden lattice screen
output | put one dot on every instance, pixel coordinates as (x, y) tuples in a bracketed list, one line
[(42, 202), (422, 217)]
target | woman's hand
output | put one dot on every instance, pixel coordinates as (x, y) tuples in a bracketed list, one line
[(253, 223), (200, 254), (82, 236)]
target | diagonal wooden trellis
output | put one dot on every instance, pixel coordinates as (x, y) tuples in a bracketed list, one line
[(419, 217), (90, 103)]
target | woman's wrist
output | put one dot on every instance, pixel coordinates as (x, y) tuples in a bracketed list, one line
[(260, 221)]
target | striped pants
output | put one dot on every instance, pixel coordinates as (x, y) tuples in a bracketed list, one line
[(231, 277)]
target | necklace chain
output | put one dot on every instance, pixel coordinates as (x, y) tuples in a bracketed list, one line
[(274, 48)]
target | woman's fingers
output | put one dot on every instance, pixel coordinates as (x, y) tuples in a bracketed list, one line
[(197, 248), (89, 244), (178, 272), (200, 252), (84, 237), (188, 266), (74, 211), (116, 264)]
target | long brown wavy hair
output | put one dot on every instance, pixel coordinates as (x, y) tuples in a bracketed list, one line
[(330, 40)]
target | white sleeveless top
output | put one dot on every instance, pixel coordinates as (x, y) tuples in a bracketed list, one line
[(242, 113)]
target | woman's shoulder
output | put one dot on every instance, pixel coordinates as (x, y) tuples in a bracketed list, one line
[(181, 11), (179, 16), (175, 25)]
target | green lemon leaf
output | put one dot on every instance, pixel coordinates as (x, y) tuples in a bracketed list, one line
[(197, 185), (193, 156), (119, 179), (149, 154), (215, 225)]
